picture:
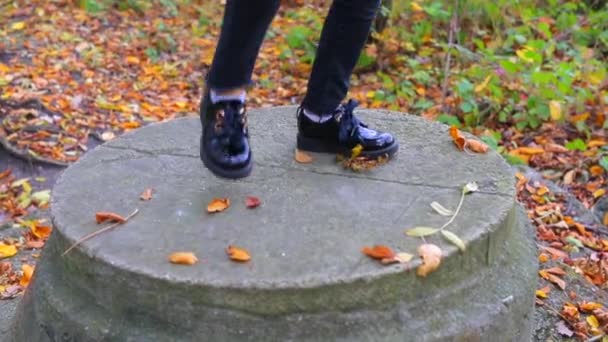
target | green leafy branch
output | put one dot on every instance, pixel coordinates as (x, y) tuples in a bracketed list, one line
[(441, 210)]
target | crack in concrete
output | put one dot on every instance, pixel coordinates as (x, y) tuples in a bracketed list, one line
[(318, 172)]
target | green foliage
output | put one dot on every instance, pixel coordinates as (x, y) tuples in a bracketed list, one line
[(576, 144), (533, 53)]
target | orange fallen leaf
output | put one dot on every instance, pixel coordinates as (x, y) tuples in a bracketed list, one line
[(183, 258), (218, 204), (543, 258), (28, 271), (302, 157), (252, 202), (456, 135), (41, 232), (605, 219), (553, 278), (528, 150), (130, 125), (469, 144), (589, 306), (596, 143), (431, 258), (102, 216), (596, 170), (146, 195), (5, 173), (378, 252), (238, 254), (570, 311)]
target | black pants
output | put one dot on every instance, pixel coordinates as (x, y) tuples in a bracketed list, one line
[(345, 31)]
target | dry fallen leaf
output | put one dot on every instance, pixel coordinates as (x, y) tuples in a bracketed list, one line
[(476, 146), (218, 204), (459, 140), (7, 251), (252, 202), (238, 254), (146, 195), (302, 157), (431, 258), (467, 144), (378, 252), (592, 321), (556, 253), (183, 258), (41, 232), (28, 271), (553, 278), (589, 306), (103, 216)]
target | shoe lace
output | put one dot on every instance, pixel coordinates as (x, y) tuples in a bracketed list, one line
[(348, 123), (230, 120)]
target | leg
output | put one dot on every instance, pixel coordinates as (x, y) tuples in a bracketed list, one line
[(224, 146), (323, 126), (244, 26), (344, 34)]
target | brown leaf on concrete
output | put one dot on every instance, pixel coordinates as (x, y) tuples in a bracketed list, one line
[(102, 216), (238, 254), (218, 204), (183, 258), (431, 258)]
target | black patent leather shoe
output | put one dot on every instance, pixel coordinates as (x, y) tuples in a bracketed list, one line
[(224, 148), (342, 133)]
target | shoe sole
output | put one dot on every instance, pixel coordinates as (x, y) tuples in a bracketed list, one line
[(314, 145), (219, 171)]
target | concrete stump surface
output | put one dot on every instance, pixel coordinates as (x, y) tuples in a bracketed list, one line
[(307, 279)]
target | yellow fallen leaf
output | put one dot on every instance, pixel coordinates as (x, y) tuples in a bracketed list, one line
[(28, 271), (541, 294), (555, 109), (302, 157), (183, 258), (7, 251), (218, 204), (521, 53), (416, 7), (20, 25), (599, 193), (480, 87), (593, 322), (596, 170), (238, 254), (356, 151), (431, 258)]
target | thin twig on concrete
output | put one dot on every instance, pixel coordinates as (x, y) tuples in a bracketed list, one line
[(97, 232)]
